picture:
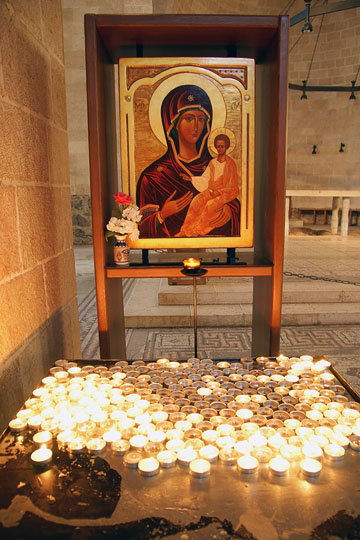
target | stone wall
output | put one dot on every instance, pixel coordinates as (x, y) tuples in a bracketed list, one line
[(38, 306), (324, 119)]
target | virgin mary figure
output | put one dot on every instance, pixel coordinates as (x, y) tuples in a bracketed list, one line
[(164, 190)]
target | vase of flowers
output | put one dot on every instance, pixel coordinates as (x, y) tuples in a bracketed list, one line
[(123, 224)]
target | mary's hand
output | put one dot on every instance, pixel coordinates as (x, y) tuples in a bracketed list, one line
[(174, 206), (222, 217)]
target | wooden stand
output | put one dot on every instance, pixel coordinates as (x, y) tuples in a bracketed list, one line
[(109, 37)]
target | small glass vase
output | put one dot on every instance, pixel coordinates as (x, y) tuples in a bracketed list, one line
[(121, 252)]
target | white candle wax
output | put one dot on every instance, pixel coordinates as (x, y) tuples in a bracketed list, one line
[(41, 456), (334, 452), (137, 442), (131, 459), (17, 425), (76, 446), (42, 438), (279, 466), (34, 422), (247, 464), (167, 459), (310, 467), (120, 446), (186, 455), (148, 466), (175, 445), (312, 451), (209, 452), (111, 436), (199, 468), (64, 438), (209, 436)]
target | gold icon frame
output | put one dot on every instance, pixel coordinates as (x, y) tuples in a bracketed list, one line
[(230, 85)]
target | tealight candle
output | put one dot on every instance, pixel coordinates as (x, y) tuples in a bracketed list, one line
[(334, 451), (120, 446), (310, 467), (191, 264), (64, 438), (344, 430), (148, 466), (42, 438), (355, 442), (167, 459), (209, 452), (263, 454), (175, 445), (156, 436), (228, 456), (159, 416), (137, 442), (34, 422), (186, 455), (96, 446), (290, 452), (195, 418), (17, 425), (132, 459), (77, 445), (247, 464), (209, 436), (41, 456), (111, 436), (279, 466), (312, 451), (199, 468)]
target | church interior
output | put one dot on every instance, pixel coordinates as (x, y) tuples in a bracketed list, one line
[(215, 402)]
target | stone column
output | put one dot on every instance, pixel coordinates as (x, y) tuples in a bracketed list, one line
[(335, 215), (345, 216)]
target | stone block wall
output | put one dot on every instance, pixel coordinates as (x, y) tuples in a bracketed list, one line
[(38, 305), (326, 119)]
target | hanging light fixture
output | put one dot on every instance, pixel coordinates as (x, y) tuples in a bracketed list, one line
[(303, 95), (352, 95), (307, 26)]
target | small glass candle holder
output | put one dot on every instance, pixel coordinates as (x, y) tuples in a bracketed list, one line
[(120, 447), (96, 446), (132, 459), (191, 265)]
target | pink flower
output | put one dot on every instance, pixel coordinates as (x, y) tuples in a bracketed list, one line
[(122, 198)]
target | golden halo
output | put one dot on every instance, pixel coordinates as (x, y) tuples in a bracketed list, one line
[(179, 79), (222, 131)]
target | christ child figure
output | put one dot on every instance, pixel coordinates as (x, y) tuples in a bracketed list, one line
[(218, 185)]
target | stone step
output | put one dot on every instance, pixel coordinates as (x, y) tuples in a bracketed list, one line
[(143, 311), (229, 292)]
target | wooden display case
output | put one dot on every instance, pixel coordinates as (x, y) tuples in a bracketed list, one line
[(264, 38)]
